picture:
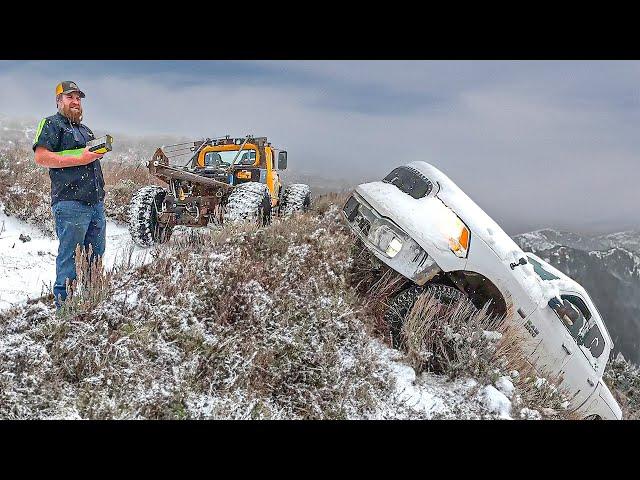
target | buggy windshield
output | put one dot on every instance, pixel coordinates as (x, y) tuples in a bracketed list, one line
[(224, 159)]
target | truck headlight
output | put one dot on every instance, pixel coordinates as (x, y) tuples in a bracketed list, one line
[(455, 231), (459, 242), (394, 247), (385, 239)]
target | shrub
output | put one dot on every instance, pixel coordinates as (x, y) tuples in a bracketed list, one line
[(623, 378)]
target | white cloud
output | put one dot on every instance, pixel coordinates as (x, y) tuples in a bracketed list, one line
[(511, 134)]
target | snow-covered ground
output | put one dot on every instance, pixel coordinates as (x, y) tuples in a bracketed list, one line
[(28, 269), (434, 396)]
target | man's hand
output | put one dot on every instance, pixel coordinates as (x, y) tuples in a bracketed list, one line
[(88, 157)]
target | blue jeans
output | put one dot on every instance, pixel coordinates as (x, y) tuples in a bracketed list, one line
[(76, 224)]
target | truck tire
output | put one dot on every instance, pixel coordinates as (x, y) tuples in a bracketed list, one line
[(143, 218), (295, 198), (594, 416), (402, 304), (251, 202)]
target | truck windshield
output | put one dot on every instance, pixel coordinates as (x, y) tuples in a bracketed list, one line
[(410, 181), (224, 159)]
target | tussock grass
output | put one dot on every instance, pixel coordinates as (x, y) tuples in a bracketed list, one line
[(121, 181), (458, 340), (235, 322), (322, 203), (623, 378), (376, 284), (451, 339)]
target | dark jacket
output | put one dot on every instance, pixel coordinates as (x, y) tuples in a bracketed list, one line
[(84, 183)]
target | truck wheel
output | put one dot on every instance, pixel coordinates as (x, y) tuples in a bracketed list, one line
[(144, 227), (295, 198), (249, 201), (402, 304)]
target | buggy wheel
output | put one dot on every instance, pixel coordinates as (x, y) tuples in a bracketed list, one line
[(295, 198), (249, 202), (144, 227)]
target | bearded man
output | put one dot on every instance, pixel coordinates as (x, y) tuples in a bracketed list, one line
[(77, 184)]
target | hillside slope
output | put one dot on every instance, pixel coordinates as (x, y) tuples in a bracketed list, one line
[(233, 323)]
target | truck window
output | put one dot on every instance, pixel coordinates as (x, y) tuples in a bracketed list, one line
[(410, 181), (585, 334), (579, 321), (594, 341), (247, 158), (579, 303), (540, 271), (212, 159)]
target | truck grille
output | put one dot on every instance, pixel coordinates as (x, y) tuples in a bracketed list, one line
[(363, 225), (351, 208)]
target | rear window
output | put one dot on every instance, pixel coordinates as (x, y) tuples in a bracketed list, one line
[(410, 181), (540, 271)]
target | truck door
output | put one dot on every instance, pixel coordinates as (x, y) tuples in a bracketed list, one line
[(550, 352), (581, 346)]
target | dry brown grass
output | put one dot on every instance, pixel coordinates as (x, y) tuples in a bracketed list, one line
[(449, 339), (25, 188), (460, 340), (121, 182), (376, 284), (91, 286), (322, 203)]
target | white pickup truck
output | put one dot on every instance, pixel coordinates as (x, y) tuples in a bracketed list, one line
[(419, 223)]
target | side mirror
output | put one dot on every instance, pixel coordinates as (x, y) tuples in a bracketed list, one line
[(282, 160), (522, 261)]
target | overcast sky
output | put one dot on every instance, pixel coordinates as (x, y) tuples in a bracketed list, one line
[(534, 143)]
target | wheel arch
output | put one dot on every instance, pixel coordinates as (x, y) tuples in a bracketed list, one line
[(480, 289)]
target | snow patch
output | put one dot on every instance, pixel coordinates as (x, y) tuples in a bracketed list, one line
[(505, 385), (495, 401)]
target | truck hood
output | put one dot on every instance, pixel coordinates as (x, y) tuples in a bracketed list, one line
[(481, 224), (425, 220)]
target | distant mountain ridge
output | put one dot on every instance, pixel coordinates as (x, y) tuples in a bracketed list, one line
[(544, 239), (608, 267)]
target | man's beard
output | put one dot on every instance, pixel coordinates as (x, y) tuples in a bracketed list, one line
[(74, 115)]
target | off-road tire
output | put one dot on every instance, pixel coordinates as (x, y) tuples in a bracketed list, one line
[(249, 202), (143, 219), (402, 304), (295, 198)]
